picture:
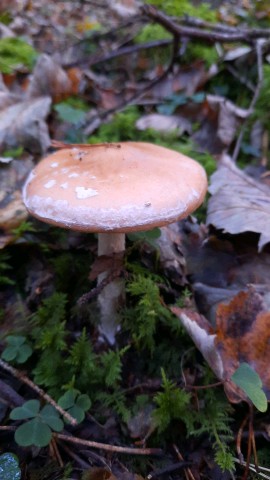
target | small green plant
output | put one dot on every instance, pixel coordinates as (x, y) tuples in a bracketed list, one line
[(9, 467), (249, 381), (22, 229), (38, 430), (148, 311), (214, 420), (15, 53), (75, 403), (4, 269), (171, 404), (17, 350)]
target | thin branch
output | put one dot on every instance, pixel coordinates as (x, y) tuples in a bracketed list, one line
[(254, 98), (109, 448), (23, 378), (211, 35), (120, 52)]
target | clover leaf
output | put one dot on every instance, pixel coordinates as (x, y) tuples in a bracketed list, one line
[(17, 349), (249, 381), (75, 403), (38, 430)]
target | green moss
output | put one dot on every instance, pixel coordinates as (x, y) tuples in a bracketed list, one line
[(197, 51), (150, 33), (179, 8), (15, 53), (261, 111)]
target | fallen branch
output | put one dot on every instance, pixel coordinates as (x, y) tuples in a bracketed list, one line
[(109, 448), (23, 378), (212, 34)]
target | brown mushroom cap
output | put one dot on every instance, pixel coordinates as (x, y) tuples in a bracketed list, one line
[(119, 187)]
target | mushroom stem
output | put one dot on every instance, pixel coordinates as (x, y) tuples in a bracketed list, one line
[(112, 295)]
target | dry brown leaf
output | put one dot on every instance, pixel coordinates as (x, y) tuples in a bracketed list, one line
[(242, 334), (24, 124), (239, 203), (49, 78), (229, 117)]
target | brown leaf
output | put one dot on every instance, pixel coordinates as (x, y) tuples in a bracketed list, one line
[(239, 203), (49, 78), (242, 334), (12, 209), (106, 263), (98, 473)]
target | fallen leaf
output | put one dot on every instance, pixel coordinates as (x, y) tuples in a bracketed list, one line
[(239, 203), (229, 117), (241, 335), (24, 124), (164, 123), (98, 473), (49, 78), (106, 263), (12, 209)]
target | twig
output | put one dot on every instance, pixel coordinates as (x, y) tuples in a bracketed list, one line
[(88, 296), (188, 473), (239, 439), (211, 35), (109, 448), (23, 378), (198, 22), (254, 99), (97, 58), (168, 469)]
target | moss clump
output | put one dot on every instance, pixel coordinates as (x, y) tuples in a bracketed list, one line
[(15, 53), (179, 8), (261, 113)]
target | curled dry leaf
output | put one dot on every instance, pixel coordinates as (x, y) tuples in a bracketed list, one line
[(229, 117), (24, 124), (171, 254), (49, 78), (242, 334), (164, 123), (239, 203)]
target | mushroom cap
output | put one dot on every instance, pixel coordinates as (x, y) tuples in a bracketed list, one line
[(123, 187)]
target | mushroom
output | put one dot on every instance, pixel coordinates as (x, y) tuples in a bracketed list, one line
[(112, 189)]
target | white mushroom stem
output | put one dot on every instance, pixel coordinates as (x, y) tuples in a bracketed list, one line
[(112, 295)]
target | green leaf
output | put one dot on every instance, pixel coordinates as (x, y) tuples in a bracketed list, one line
[(83, 401), (75, 403), (50, 416), (77, 413), (249, 381), (16, 349), (34, 432), (68, 399), (9, 467), (29, 409), (69, 114)]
